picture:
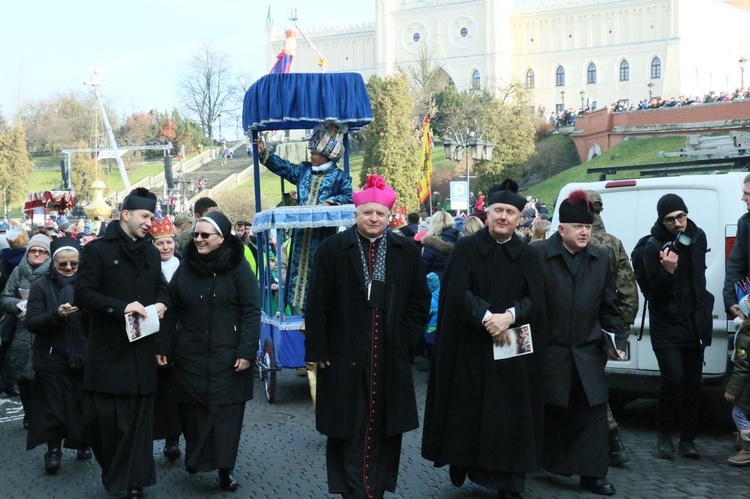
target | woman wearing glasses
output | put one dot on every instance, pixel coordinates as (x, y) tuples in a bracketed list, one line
[(59, 356), (215, 298), (33, 266)]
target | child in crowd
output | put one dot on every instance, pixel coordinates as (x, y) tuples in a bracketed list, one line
[(738, 393), (433, 282)]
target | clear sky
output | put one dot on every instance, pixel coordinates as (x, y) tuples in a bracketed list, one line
[(47, 46)]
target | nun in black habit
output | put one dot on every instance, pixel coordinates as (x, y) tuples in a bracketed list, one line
[(484, 417)]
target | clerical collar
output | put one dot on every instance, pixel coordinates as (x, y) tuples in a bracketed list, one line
[(322, 167), (371, 239), (503, 242)]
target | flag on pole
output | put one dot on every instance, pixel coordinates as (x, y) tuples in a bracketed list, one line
[(286, 55), (425, 183)]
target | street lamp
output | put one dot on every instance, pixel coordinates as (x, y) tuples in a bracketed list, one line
[(583, 96), (742, 62), (479, 149), (650, 90)]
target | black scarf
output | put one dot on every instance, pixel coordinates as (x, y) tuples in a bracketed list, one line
[(133, 247), (73, 327)]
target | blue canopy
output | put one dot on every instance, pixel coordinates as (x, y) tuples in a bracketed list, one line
[(303, 100)]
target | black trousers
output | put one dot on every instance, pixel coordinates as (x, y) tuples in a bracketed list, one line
[(680, 391)]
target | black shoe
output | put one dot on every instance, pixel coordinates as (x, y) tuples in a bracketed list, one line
[(84, 454), (52, 460), (687, 449), (457, 474), (172, 449), (135, 493), (227, 481), (665, 447), (597, 485), (618, 454), (10, 392)]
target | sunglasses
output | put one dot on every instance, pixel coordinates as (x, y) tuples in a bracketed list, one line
[(38, 251), (204, 235), (65, 265)]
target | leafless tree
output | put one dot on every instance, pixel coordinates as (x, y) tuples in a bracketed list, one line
[(206, 87)]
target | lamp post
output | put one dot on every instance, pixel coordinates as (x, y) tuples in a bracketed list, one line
[(583, 96), (650, 90), (467, 143), (742, 62)]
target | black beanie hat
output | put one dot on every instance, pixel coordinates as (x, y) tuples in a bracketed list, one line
[(64, 243), (140, 199), (669, 203), (576, 209), (506, 193), (220, 222)]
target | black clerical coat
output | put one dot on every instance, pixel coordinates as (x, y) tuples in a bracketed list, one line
[(480, 412), (338, 329), (578, 309)]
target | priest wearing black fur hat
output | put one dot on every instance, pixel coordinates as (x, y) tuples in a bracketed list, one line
[(580, 304), (483, 417), (121, 273)]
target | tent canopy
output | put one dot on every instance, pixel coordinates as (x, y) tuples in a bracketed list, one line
[(49, 200), (303, 100)]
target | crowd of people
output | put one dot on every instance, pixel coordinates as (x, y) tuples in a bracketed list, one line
[(374, 297)]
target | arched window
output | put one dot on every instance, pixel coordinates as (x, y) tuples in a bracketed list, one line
[(655, 68), (624, 71), (530, 78), (591, 73), (476, 80), (560, 77)]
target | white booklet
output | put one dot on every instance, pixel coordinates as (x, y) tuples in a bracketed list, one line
[(520, 343), (137, 326)]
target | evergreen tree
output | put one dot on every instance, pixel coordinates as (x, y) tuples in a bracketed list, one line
[(15, 164), (391, 141), (84, 171)]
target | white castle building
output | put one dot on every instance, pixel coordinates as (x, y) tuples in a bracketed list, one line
[(565, 52)]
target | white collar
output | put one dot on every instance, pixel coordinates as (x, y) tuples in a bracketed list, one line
[(322, 167)]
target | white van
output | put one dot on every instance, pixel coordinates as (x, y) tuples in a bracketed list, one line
[(629, 213)]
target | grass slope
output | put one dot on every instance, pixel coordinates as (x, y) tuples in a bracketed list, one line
[(630, 152)]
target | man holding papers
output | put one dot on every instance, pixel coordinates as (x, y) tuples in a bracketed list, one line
[(581, 303), (118, 274), (485, 398)]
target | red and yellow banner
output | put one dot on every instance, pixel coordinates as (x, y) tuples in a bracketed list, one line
[(425, 183)]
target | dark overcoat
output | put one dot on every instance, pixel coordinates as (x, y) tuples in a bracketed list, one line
[(480, 412), (109, 278), (738, 263), (218, 321), (50, 351), (338, 329), (577, 311)]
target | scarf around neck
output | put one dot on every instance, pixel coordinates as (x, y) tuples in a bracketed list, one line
[(375, 280)]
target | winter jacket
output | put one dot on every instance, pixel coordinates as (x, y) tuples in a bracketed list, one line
[(19, 355), (218, 309), (437, 249)]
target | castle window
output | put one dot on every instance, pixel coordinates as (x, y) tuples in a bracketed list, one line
[(464, 32), (560, 77), (476, 80), (530, 78), (624, 71), (416, 37), (591, 73), (655, 68)]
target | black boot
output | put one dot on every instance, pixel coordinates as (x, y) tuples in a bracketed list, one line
[(618, 454), (84, 454), (52, 460), (227, 481), (172, 448), (457, 474)]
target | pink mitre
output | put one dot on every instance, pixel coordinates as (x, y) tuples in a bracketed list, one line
[(375, 191)]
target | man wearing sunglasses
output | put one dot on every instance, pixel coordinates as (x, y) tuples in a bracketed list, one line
[(680, 310), (121, 273)]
